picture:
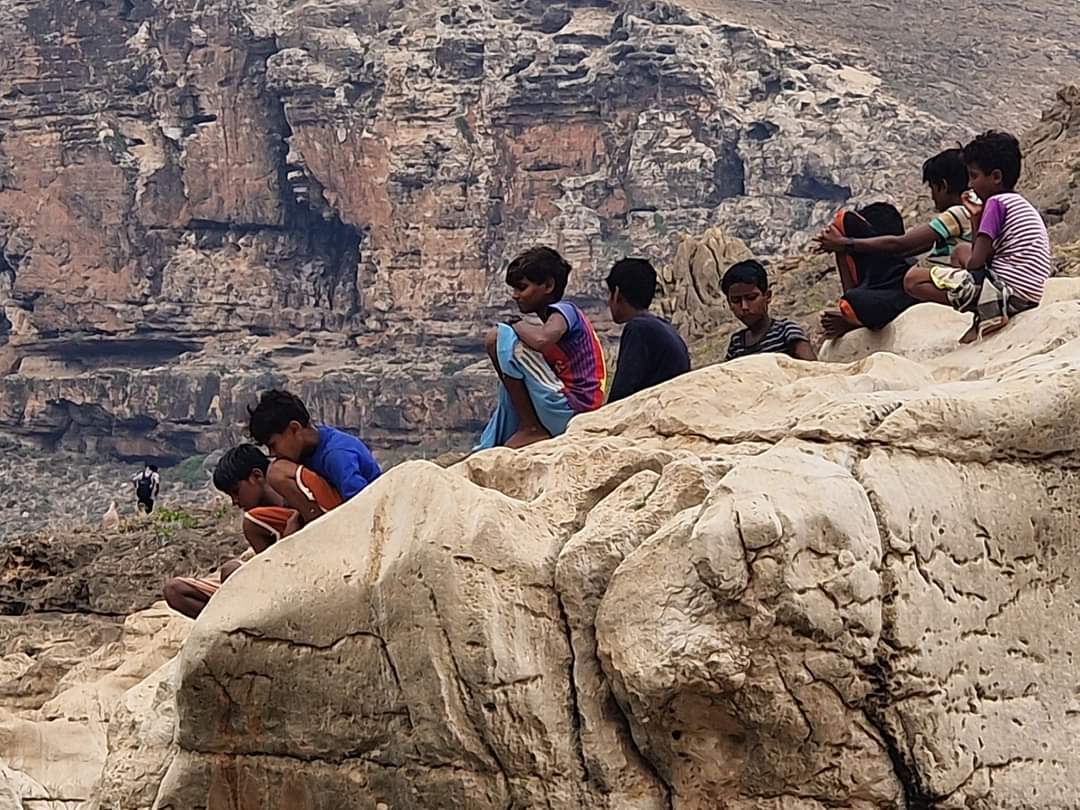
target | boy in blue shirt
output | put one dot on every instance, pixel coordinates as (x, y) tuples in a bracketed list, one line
[(315, 468)]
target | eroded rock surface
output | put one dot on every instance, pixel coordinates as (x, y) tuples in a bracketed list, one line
[(768, 584), (80, 625), (55, 738)]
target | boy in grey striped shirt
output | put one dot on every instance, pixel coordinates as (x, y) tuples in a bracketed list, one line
[(746, 286)]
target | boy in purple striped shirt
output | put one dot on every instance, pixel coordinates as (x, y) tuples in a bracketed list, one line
[(1009, 262)]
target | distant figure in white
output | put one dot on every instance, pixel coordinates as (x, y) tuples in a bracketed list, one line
[(111, 519), (147, 485)]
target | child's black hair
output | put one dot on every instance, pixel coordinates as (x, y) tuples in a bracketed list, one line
[(273, 414), (947, 167), (237, 465), (750, 271), (996, 150), (635, 280), (539, 264), (884, 218)]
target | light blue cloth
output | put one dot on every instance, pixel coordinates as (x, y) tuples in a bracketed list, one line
[(518, 361)]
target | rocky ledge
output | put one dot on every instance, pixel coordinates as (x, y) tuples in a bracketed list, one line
[(768, 584)]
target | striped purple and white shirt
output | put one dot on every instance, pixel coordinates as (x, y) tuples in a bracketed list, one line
[(1021, 245)]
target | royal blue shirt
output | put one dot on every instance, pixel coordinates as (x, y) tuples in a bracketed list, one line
[(343, 461)]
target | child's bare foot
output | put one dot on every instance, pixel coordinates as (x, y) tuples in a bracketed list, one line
[(527, 436), (834, 324)]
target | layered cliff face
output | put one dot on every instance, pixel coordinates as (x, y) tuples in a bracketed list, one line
[(1052, 170), (201, 199)]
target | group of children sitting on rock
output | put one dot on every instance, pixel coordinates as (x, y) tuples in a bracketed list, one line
[(989, 255), (989, 252)]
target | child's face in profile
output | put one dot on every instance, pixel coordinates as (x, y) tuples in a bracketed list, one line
[(531, 297), (748, 303), (288, 444), (939, 193), (248, 493), (984, 184)]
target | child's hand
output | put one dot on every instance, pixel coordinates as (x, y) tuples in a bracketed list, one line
[(972, 203), (831, 240)]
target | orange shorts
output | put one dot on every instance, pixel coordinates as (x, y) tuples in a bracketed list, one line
[(274, 519), (315, 488)]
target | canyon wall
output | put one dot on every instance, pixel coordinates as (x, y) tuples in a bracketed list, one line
[(198, 200)]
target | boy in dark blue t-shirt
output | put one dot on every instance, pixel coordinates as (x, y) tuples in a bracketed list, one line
[(315, 468), (650, 350)]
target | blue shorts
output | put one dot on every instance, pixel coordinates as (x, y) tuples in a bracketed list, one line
[(518, 361)]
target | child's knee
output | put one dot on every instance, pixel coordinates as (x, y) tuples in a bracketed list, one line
[(173, 590), (281, 474), (229, 568), (911, 280)]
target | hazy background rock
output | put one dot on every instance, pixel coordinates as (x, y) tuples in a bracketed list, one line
[(201, 200)]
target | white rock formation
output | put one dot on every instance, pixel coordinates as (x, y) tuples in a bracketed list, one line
[(51, 756), (769, 585)]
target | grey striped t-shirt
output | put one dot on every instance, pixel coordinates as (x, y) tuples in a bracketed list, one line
[(780, 338)]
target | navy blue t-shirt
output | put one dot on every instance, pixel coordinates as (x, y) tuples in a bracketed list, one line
[(650, 352), (343, 461)]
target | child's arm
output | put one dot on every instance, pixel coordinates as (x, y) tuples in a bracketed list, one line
[(916, 241), (797, 344), (282, 478), (292, 525), (802, 350), (987, 228), (540, 336)]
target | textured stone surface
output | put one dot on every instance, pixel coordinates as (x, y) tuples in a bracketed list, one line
[(201, 199), (81, 629), (52, 756), (905, 42), (1052, 168), (736, 589), (141, 743)]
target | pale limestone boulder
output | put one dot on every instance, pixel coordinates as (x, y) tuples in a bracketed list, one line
[(767, 585), (690, 294), (141, 743), (930, 333), (20, 792), (736, 637), (61, 746), (442, 677), (63, 756)]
